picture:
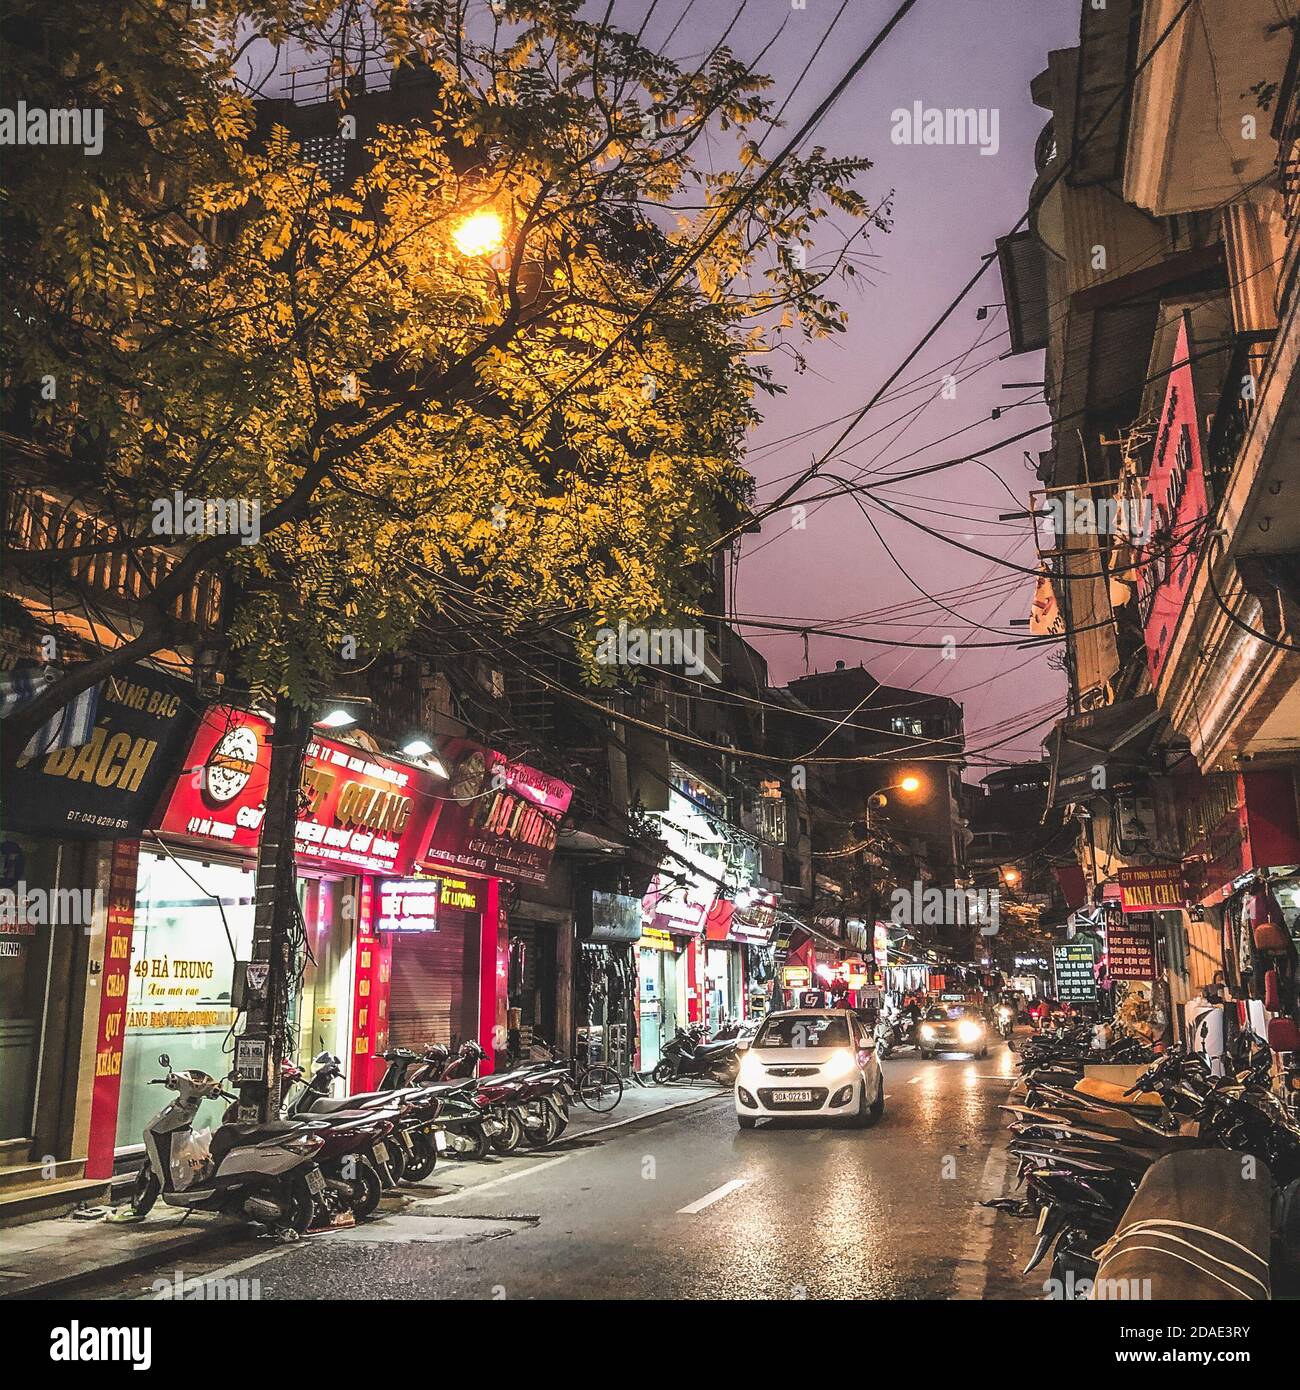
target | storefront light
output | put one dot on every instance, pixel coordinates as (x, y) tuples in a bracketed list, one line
[(336, 719), (422, 749)]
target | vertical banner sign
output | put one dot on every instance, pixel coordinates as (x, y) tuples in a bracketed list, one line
[(119, 923), (1075, 981), (374, 966), (1131, 948)]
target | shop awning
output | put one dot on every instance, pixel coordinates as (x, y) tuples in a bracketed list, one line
[(1116, 737)]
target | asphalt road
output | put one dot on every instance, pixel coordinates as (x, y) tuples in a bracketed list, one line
[(681, 1205)]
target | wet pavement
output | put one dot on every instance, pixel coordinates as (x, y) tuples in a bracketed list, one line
[(680, 1204)]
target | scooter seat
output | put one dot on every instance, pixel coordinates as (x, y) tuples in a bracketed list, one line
[(232, 1136)]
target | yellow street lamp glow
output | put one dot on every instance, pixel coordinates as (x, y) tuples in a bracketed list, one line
[(479, 234), (910, 784)]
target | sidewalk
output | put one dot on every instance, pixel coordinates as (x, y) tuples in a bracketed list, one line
[(42, 1256)]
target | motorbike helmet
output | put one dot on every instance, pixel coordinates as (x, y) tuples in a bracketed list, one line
[(471, 1050)]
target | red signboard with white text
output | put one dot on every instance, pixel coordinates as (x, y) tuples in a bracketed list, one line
[(494, 816), (1177, 503), (114, 977), (362, 812)]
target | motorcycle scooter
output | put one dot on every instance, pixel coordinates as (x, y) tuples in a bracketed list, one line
[(688, 1056), (269, 1173)]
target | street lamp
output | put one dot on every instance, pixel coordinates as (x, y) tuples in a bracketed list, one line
[(480, 233)]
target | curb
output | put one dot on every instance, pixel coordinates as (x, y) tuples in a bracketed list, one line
[(198, 1239), (649, 1114)]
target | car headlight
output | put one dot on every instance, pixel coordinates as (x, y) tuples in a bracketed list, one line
[(969, 1031), (927, 1030), (840, 1063)]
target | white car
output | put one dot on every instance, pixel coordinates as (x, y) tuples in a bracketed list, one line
[(811, 1062)]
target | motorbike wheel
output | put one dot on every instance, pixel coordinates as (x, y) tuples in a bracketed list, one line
[(367, 1188), (545, 1136), (511, 1137), (145, 1190), (884, 1050), (302, 1207), (392, 1172), (662, 1074), (475, 1134), (425, 1158)]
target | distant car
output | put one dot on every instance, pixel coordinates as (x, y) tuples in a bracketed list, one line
[(812, 1063), (953, 1028)]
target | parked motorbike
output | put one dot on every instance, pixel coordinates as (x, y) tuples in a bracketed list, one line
[(433, 1118), (269, 1173), (364, 1148), (688, 1055), (1082, 1154), (535, 1096)]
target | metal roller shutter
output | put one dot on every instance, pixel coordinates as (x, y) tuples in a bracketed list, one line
[(433, 997)]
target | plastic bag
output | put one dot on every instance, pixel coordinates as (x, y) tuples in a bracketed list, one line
[(190, 1157)]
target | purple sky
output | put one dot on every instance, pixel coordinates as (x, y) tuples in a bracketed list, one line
[(951, 203)]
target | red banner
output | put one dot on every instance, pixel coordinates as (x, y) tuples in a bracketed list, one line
[(1175, 501), (364, 812), (494, 816), (119, 924), (1151, 888), (373, 970)]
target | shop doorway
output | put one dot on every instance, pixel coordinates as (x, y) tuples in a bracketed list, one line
[(659, 1002), (434, 990), (324, 1000), (530, 987)]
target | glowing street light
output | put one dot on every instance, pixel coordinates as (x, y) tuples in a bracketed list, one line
[(910, 784), (480, 233)]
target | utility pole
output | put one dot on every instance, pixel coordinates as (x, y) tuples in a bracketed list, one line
[(260, 1048)]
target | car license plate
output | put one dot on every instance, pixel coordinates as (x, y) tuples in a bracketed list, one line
[(440, 1140), (315, 1181), (793, 1096), (381, 1151)]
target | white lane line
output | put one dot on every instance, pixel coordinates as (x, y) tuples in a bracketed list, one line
[(476, 1188), (973, 1271), (196, 1282), (912, 1080), (709, 1198), (472, 1188)]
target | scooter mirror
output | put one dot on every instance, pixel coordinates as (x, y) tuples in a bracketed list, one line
[(164, 1060)]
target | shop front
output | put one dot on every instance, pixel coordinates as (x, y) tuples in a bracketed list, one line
[(363, 817), (672, 955), (71, 816)]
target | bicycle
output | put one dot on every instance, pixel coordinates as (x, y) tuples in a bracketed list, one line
[(597, 1086)]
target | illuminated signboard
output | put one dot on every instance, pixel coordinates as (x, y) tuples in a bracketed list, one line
[(408, 904)]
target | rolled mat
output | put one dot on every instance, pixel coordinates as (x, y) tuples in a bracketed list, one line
[(1197, 1227)]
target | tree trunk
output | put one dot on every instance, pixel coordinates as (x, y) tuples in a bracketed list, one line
[(275, 907)]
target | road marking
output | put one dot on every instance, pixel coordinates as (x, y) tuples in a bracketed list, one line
[(709, 1198), (912, 1080), (197, 1281), (474, 1189), (973, 1267)]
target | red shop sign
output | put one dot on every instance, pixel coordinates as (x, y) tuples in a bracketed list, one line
[(1151, 888), (363, 812), (494, 816), (114, 977)]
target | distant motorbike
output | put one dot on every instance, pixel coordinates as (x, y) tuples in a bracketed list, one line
[(688, 1055), (893, 1034), (1006, 1020)]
